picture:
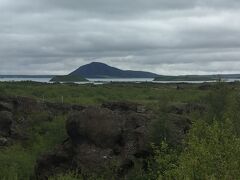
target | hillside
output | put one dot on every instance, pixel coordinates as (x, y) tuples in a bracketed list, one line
[(101, 70), (198, 77)]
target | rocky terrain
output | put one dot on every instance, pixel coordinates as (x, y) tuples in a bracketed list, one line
[(15, 115), (100, 138), (111, 136)]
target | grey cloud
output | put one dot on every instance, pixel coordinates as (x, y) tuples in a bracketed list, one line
[(167, 37), (114, 6)]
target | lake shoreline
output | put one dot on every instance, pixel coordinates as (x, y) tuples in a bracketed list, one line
[(111, 80)]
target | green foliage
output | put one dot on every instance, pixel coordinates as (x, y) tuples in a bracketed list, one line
[(158, 129), (67, 176), (78, 176), (232, 111), (212, 152), (17, 162), (212, 146), (217, 102), (165, 160), (95, 94)]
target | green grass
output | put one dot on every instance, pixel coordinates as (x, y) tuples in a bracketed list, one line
[(91, 94), (17, 161)]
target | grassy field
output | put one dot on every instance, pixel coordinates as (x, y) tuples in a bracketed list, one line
[(96, 94), (210, 151)]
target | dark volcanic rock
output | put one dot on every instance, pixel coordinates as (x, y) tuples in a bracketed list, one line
[(178, 122), (6, 106), (3, 141), (5, 123), (98, 138), (99, 126), (54, 162), (124, 106)]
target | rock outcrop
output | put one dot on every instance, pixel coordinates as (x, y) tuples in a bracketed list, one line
[(5, 123), (124, 106), (4, 106), (177, 120), (112, 135), (100, 138)]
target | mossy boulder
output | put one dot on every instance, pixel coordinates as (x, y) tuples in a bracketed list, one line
[(100, 138)]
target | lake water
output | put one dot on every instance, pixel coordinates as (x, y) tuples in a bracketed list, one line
[(121, 80), (107, 80), (90, 80)]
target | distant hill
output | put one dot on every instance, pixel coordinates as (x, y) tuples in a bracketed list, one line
[(68, 78), (198, 77), (101, 70), (188, 78)]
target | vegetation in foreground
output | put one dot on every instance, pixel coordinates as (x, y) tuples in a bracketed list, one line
[(210, 150)]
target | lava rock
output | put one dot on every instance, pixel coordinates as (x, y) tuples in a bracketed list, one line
[(3, 141), (98, 138), (124, 106), (100, 126), (4, 106), (5, 123)]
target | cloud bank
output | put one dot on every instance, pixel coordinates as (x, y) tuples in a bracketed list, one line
[(165, 37)]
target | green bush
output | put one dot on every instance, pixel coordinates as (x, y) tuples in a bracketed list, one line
[(165, 160), (217, 101), (212, 152)]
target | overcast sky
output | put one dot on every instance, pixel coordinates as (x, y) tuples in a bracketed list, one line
[(163, 36)]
